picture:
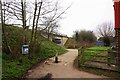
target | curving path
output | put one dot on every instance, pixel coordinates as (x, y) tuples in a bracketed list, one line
[(63, 69)]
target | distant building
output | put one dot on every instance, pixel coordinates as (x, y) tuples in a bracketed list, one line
[(99, 43), (56, 38), (59, 39)]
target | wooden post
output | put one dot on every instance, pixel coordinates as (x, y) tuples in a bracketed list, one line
[(117, 40), (80, 50), (108, 63), (56, 57)]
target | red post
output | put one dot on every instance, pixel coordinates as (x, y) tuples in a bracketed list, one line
[(117, 13), (117, 30)]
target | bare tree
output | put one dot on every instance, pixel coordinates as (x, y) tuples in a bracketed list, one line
[(13, 11), (19, 10), (50, 22), (23, 5), (106, 30), (38, 16), (51, 28), (35, 22), (3, 27)]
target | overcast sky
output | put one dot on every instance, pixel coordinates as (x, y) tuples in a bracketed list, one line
[(85, 14)]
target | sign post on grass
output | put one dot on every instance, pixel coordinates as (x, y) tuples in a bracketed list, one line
[(117, 30), (25, 49)]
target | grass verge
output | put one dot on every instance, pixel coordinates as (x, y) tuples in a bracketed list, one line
[(90, 53), (16, 68), (15, 65), (80, 60)]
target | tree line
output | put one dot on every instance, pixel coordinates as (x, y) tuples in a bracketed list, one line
[(104, 32)]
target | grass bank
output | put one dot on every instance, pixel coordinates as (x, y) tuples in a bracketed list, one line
[(15, 65)]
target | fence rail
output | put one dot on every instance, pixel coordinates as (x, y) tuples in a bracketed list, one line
[(107, 62)]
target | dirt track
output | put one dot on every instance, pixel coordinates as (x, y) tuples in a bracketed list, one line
[(63, 69)]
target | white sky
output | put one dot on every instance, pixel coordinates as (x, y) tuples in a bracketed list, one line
[(85, 14)]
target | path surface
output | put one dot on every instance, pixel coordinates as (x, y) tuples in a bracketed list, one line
[(63, 69)]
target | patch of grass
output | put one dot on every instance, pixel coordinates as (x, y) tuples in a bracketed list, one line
[(104, 59), (0, 59), (15, 65), (90, 53), (71, 43), (19, 66), (85, 57), (98, 48), (0, 64)]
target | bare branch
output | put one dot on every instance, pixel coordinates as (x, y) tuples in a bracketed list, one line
[(105, 29)]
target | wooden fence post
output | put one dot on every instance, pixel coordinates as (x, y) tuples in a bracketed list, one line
[(108, 58)]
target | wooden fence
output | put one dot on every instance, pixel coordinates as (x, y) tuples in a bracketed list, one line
[(107, 62)]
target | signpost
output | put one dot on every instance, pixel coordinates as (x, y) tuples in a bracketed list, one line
[(25, 49), (117, 30)]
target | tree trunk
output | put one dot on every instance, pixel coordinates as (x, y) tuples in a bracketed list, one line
[(24, 19), (37, 21), (3, 28), (33, 26)]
